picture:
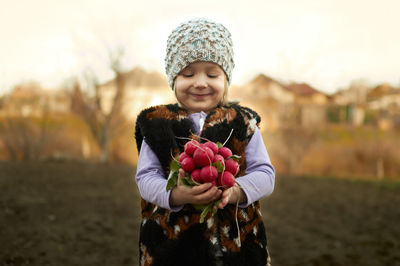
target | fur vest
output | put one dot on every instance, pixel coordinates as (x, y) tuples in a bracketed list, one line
[(177, 238)]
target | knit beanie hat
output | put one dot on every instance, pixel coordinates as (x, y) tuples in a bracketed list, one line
[(198, 40)]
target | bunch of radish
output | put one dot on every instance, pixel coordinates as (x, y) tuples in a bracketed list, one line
[(207, 162)]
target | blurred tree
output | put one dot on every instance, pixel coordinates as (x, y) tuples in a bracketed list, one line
[(103, 124), (25, 137), (24, 128)]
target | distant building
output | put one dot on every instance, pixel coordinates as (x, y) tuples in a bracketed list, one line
[(350, 104), (268, 97), (263, 87), (304, 94), (311, 104), (282, 105), (385, 101), (30, 99), (355, 94), (384, 97)]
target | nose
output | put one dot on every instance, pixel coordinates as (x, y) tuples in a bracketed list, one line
[(200, 82)]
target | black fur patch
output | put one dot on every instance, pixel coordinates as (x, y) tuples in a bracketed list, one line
[(251, 254)]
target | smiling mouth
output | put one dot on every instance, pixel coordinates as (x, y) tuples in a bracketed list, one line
[(200, 95)]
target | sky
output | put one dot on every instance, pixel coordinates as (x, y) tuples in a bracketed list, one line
[(328, 44)]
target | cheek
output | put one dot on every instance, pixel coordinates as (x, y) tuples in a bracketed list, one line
[(220, 86), (181, 93), (179, 88), (181, 84), (178, 94)]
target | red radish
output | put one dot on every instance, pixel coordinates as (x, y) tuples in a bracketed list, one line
[(219, 158), (208, 173), (203, 156), (196, 176), (191, 146), (215, 183), (182, 156), (188, 165), (226, 179), (232, 166), (213, 146), (225, 152)]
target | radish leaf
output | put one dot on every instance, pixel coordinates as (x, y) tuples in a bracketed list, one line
[(219, 166), (172, 179), (235, 157), (174, 166)]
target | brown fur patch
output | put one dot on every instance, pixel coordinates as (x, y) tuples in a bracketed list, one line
[(147, 208), (225, 241), (161, 112), (254, 219), (145, 259), (194, 136), (220, 115)]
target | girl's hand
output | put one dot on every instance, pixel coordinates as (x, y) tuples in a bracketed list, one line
[(201, 194), (232, 195)]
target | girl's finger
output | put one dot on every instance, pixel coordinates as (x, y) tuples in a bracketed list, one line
[(181, 173), (218, 195), (207, 196), (180, 176), (201, 188), (225, 198)]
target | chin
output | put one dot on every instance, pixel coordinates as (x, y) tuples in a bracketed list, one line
[(199, 106), (197, 110)]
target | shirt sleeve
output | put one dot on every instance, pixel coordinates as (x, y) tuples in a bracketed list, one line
[(150, 179), (259, 178)]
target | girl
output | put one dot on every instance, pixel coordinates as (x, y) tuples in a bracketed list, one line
[(199, 65)]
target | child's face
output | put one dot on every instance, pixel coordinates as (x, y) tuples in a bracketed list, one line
[(200, 86)]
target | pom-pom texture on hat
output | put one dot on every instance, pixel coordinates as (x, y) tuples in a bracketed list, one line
[(198, 40)]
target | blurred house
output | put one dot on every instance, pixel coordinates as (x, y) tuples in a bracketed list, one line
[(360, 104), (268, 97), (283, 105), (384, 96), (30, 99), (307, 95), (311, 104), (350, 104), (142, 89), (355, 94), (264, 87), (384, 100)]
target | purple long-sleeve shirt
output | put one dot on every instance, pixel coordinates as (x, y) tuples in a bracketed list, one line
[(258, 181)]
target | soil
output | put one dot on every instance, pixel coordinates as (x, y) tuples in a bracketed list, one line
[(76, 213)]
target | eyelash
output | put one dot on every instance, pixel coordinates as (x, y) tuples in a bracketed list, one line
[(191, 75)]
